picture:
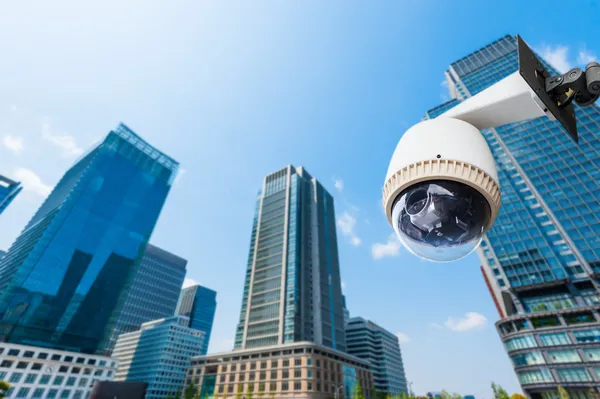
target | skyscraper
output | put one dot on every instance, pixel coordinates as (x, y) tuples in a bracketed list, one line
[(8, 191), (292, 290), (199, 304), (154, 290), (378, 346), (159, 353), (65, 279), (541, 260)]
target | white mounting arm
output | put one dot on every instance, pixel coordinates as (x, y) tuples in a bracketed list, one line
[(509, 100)]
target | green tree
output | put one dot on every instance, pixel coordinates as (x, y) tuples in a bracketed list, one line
[(499, 392), (250, 391), (518, 396), (4, 387), (272, 394), (238, 393), (261, 390), (190, 391), (170, 395), (562, 392), (178, 393), (359, 392)]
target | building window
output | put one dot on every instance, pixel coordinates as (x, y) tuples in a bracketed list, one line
[(23, 392), (273, 387), (36, 366), (233, 367), (587, 336), (285, 374), (273, 374), (297, 373), (45, 379), (526, 359), (318, 387), (78, 394), (263, 375), (318, 363), (242, 377), (573, 375), (285, 387), (42, 355), (92, 362), (68, 359), (286, 363), (80, 360), (563, 356), (592, 354), (231, 377), (15, 377), (555, 339), (83, 382), (230, 389), (253, 366), (263, 365), (309, 373), (13, 352), (38, 393), (6, 363), (297, 362), (252, 377), (55, 357), (526, 341), (222, 378), (71, 381), (65, 394), (535, 376), (28, 354), (273, 363), (297, 386), (309, 386), (63, 369), (325, 376), (52, 393), (318, 374), (30, 378), (243, 367), (221, 388)]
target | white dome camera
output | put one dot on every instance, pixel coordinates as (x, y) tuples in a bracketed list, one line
[(441, 193)]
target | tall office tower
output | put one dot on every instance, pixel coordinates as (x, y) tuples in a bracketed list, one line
[(381, 349), (199, 304), (159, 353), (154, 290), (541, 260), (8, 191), (65, 279), (292, 290), (346, 312)]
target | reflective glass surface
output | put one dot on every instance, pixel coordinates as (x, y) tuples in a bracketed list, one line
[(199, 304), (65, 279)]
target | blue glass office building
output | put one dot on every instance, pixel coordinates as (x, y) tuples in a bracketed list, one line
[(381, 349), (159, 353), (154, 290), (65, 279), (541, 260), (199, 304), (292, 290), (8, 191)]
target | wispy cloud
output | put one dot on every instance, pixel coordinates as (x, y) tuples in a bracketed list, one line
[(13, 143), (32, 182), (63, 141), (557, 56), (584, 57), (402, 338), (188, 282), (179, 176), (444, 93), (389, 248), (470, 321), (343, 285), (436, 326), (347, 224), (339, 185)]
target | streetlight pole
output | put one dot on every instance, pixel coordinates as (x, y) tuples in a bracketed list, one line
[(336, 390)]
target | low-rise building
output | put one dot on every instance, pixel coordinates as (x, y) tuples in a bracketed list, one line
[(35, 372), (159, 354), (295, 370)]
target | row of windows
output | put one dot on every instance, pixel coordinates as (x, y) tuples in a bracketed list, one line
[(26, 392), (528, 341), (55, 357), (562, 375)]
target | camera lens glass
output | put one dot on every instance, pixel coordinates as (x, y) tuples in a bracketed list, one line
[(440, 220)]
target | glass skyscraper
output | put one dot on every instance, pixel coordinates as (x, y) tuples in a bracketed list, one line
[(379, 347), (199, 304), (292, 290), (541, 260), (8, 191), (154, 290), (65, 279)]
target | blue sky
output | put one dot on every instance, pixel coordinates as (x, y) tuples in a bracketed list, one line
[(235, 90)]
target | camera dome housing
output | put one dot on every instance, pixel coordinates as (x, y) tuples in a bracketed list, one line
[(441, 192)]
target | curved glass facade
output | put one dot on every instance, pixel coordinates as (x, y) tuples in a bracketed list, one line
[(64, 280)]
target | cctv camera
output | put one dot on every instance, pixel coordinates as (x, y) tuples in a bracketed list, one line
[(441, 192)]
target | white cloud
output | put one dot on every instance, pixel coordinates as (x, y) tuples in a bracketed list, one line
[(444, 95), (346, 223), (179, 176), (436, 326), (63, 141), (32, 182), (556, 56), (584, 57), (339, 185), (470, 321), (188, 282), (402, 338), (390, 248), (343, 285), (13, 143)]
